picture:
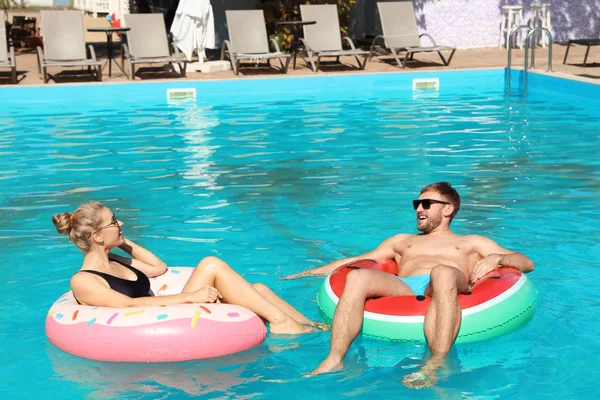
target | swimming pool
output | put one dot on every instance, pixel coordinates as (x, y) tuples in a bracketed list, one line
[(278, 175)]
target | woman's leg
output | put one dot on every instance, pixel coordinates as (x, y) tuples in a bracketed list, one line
[(287, 308), (212, 271), (280, 303)]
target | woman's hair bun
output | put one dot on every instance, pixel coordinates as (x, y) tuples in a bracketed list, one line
[(62, 222)]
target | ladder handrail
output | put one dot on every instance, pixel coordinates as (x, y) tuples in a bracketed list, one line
[(531, 39), (509, 44)]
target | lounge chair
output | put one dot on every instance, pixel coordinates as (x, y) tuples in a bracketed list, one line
[(400, 33), (7, 56), (584, 42), (323, 39), (64, 43), (147, 43), (248, 40)]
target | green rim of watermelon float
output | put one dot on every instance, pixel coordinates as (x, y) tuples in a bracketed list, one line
[(501, 302)]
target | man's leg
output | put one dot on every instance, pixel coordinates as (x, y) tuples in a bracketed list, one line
[(443, 316), (442, 321), (348, 317)]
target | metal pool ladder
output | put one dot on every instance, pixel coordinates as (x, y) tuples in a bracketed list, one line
[(529, 40)]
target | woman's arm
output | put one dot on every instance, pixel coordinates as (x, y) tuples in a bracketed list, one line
[(89, 289), (143, 259)]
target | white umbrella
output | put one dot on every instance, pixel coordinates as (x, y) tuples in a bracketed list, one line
[(193, 28)]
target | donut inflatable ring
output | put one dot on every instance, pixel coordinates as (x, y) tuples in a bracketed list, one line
[(177, 332)]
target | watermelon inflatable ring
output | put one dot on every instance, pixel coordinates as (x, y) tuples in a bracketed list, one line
[(499, 303)]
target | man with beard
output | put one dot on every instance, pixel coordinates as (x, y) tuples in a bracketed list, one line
[(436, 263)]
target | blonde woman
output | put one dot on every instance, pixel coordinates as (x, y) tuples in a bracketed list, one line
[(109, 280)]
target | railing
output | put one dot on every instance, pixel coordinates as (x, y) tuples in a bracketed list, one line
[(513, 32), (529, 40)]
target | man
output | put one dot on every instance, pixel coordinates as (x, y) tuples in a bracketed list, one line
[(436, 263)]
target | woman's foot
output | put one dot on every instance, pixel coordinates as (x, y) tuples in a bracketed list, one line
[(289, 326), (320, 325)]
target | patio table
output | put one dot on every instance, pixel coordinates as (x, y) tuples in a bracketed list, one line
[(584, 42), (109, 44), (296, 41)]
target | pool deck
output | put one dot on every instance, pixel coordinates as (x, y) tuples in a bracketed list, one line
[(491, 57)]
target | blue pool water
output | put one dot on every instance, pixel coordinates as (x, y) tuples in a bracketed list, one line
[(279, 175)]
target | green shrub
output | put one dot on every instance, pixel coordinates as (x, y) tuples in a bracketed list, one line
[(290, 11)]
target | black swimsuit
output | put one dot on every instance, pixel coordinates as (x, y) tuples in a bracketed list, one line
[(138, 288)]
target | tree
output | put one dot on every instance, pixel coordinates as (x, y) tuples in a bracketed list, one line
[(6, 4), (289, 10)]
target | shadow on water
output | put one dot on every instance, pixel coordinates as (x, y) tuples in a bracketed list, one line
[(39, 206), (371, 367), (265, 189), (195, 378), (263, 186)]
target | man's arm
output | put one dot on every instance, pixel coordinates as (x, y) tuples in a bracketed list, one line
[(324, 270), (494, 256), (384, 251)]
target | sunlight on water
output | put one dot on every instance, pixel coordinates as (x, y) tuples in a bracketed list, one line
[(275, 186)]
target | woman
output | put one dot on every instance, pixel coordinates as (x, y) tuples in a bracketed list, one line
[(108, 280)]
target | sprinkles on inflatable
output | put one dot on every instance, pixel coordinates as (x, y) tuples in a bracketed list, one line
[(177, 332), (499, 303)]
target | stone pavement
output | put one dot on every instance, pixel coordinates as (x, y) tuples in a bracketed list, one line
[(463, 59)]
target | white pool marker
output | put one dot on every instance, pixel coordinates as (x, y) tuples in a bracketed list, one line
[(426, 84), (181, 94)]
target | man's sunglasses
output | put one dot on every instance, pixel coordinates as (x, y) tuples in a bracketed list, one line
[(426, 203)]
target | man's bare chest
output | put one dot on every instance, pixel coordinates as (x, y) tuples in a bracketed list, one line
[(422, 245)]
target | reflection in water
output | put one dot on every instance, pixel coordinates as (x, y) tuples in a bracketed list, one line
[(131, 380), (199, 121), (274, 186)]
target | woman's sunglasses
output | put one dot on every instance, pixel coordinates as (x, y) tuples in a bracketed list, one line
[(426, 203), (114, 221)]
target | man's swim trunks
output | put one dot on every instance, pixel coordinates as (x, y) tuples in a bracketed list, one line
[(417, 283)]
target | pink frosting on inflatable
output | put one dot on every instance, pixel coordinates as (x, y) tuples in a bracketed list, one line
[(162, 341)]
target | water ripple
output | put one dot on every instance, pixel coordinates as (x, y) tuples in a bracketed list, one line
[(275, 187)]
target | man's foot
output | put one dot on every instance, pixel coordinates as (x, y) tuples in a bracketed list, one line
[(328, 365), (289, 326), (420, 379), (426, 376)]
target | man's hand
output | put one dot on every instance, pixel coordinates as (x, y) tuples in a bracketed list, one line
[(484, 266), (294, 276)]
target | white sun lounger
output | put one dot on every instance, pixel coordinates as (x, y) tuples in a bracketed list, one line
[(248, 40), (323, 39), (147, 43), (64, 43), (7, 55), (400, 33)]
